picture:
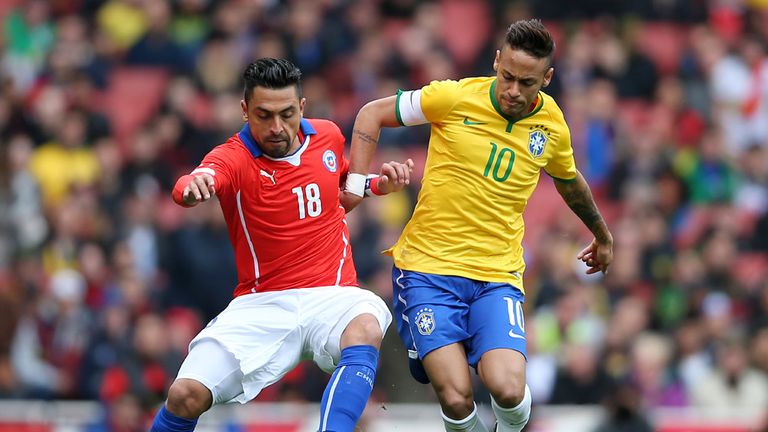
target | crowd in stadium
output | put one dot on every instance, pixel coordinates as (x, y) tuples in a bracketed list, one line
[(104, 103)]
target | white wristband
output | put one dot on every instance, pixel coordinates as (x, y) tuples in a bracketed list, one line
[(355, 184)]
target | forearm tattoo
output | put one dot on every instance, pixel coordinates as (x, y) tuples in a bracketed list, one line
[(365, 137), (579, 199)]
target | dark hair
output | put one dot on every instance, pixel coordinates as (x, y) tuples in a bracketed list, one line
[(271, 73), (532, 37)]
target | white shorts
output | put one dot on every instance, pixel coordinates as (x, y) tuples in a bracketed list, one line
[(260, 337)]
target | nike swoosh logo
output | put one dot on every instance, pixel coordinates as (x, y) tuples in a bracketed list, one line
[(469, 122), (514, 335)]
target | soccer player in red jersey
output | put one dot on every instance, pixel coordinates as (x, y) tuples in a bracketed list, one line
[(278, 181)]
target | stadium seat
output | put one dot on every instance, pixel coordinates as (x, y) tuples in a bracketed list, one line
[(750, 269), (633, 114), (558, 35), (663, 43), (542, 209), (473, 18), (6, 6), (133, 95)]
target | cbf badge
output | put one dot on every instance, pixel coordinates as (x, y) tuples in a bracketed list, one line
[(329, 160), (425, 321), (537, 140)]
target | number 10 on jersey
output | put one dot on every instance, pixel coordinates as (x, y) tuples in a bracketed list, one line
[(499, 160), (309, 201)]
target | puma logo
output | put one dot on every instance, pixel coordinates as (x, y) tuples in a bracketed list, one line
[(269, 176)]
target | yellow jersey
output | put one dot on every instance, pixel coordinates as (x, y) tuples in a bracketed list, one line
[(480, 171)]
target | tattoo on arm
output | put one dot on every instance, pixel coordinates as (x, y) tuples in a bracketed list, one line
[(579, 199), (365, 137)]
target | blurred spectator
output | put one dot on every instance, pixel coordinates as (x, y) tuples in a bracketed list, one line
[(693, 359), (631, 71), (651, 373), (65, 163), (156, 47), (710, 176), (733, 383), (580, 379), (48, 344), (623, 406), (123, 21), (122, 415), (28, 35), (190, 25), (200, 263)]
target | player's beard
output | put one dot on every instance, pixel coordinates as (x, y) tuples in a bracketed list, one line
[(277, 149)]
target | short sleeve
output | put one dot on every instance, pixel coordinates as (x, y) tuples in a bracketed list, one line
[(438, 99), (561, 165)]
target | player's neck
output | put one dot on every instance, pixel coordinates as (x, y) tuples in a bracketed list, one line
[(532, 106), (525, 113), (295, 144)]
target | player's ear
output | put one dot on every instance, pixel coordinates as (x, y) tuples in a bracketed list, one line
[(496, 61), (244, 107), (302, 102), (548, 76)]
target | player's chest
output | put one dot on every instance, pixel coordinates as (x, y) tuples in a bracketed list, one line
[(305, 188), (499, 152)]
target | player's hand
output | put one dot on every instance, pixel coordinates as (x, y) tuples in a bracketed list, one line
[(597, 256), (394, 176), (200, 189)]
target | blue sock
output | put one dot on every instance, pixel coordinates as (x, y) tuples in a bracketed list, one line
[(348, 390), (167, 422)]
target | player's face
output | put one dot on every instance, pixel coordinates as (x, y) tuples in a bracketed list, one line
[(274, 116), (519, 77)]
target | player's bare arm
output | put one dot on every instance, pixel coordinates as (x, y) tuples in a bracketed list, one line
[(599, 254), (365, 136)]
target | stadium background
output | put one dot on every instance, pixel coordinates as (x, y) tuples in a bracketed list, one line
[(103, 281)]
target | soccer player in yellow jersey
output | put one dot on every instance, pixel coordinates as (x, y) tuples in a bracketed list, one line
[(459, 261)]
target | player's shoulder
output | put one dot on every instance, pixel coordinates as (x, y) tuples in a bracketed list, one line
[(475, 84), (551, 109), (323, 126), (234, 144), (463, 85), (231, 150), (325, 129)]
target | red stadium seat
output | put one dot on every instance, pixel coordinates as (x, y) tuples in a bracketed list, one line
[(473, 18), (542, 209), (133, 95), (750, 269), (6, 6), (634, 114), (558, 35), (663, 43)]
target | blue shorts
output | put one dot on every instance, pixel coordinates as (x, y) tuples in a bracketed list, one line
[(432, 311)]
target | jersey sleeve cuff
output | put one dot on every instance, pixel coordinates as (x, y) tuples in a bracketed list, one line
[(178, 190), (562, 180), (372, 185)]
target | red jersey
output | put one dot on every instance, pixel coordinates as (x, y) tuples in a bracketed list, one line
[(283, 215)]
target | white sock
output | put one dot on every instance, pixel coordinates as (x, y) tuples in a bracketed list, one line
[(470, 424), (513, 419)]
